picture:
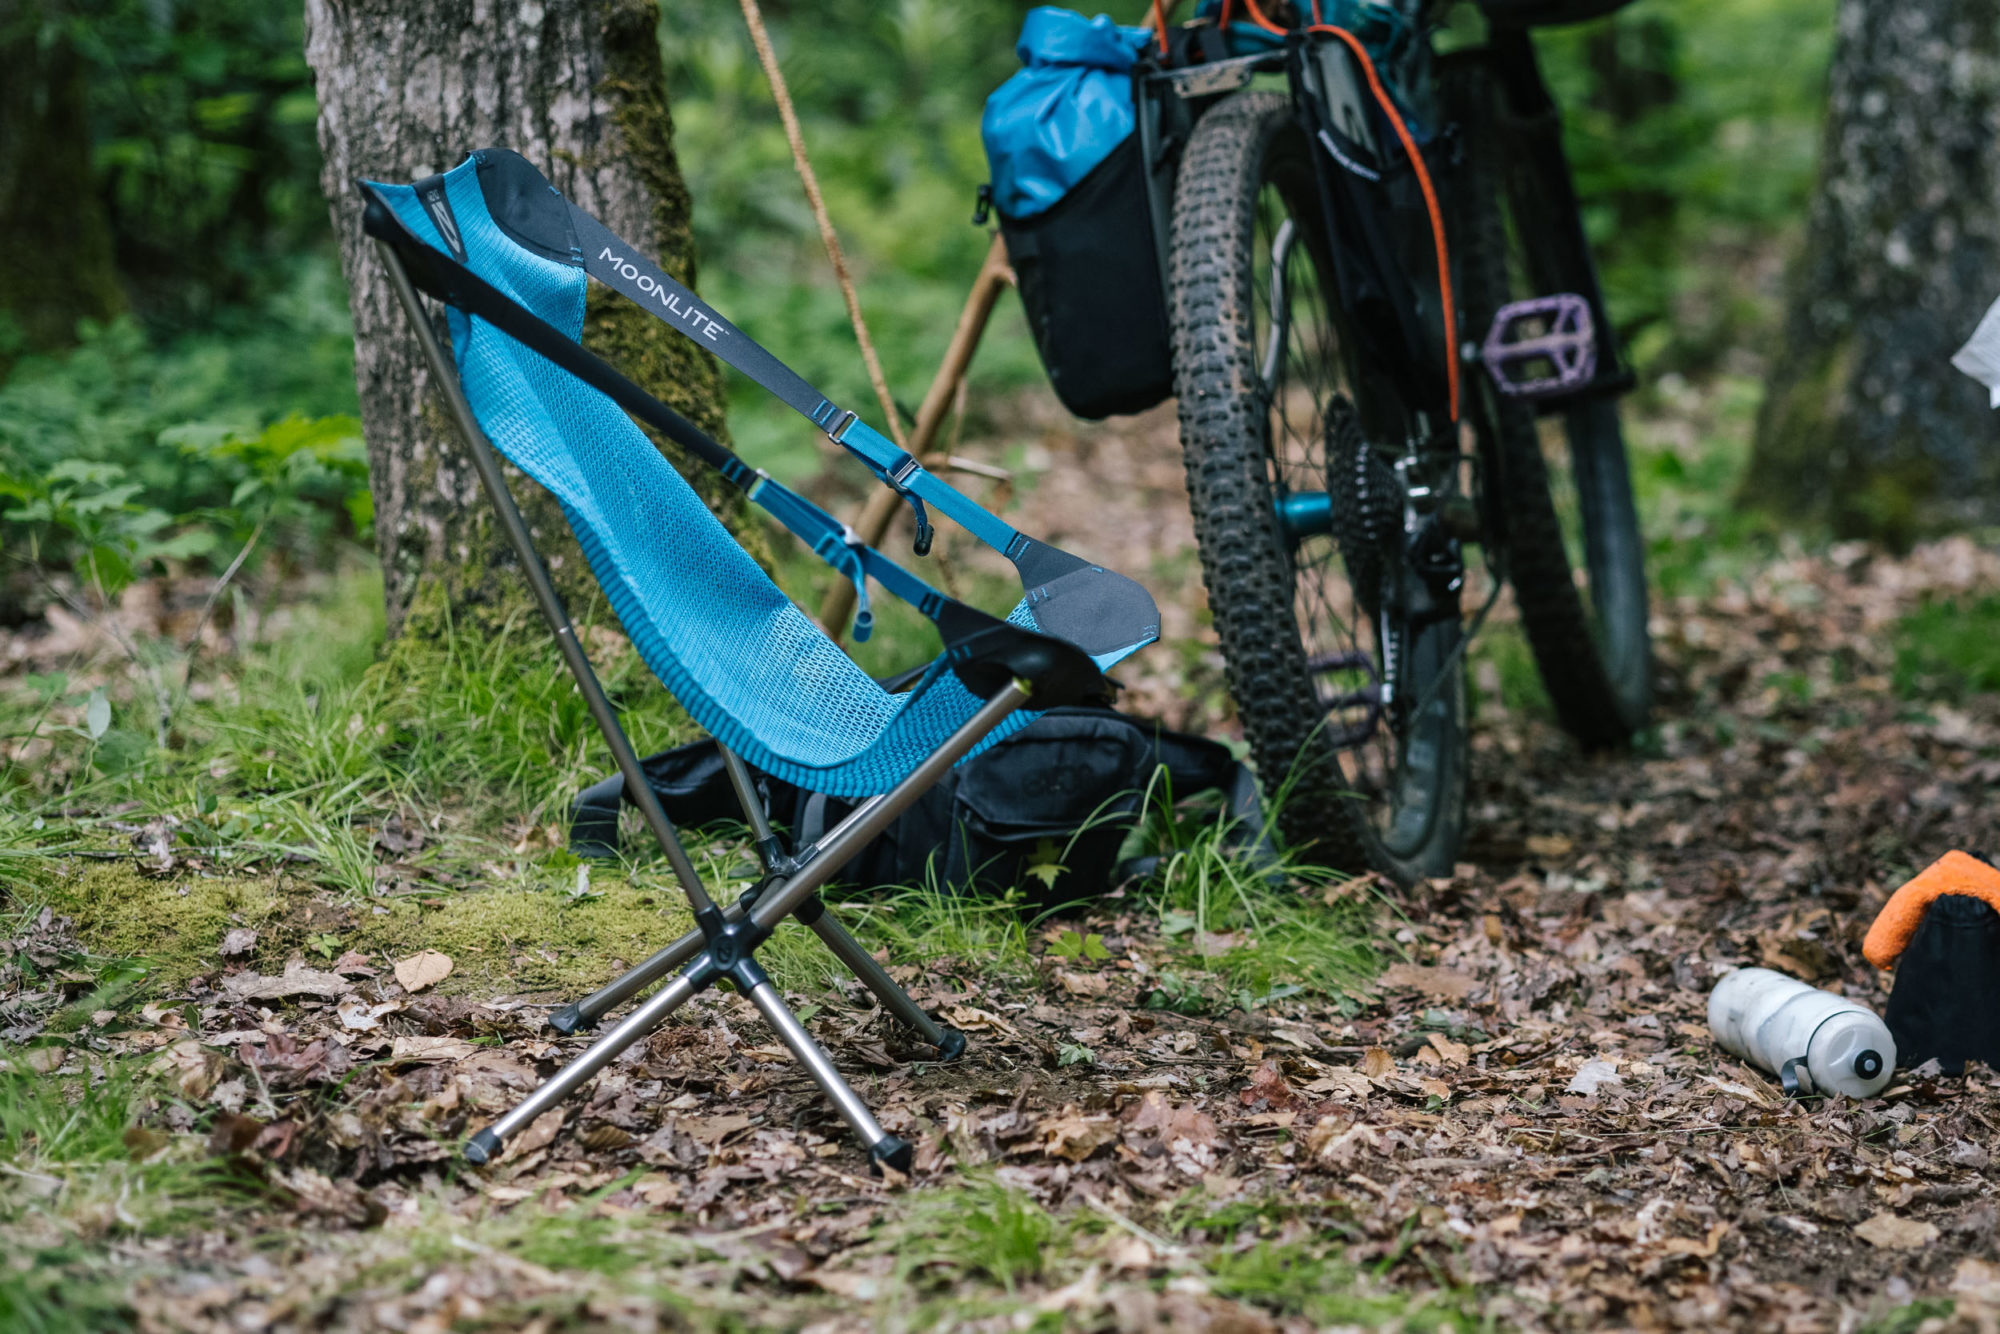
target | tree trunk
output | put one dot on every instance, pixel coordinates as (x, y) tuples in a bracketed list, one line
[(56, 262), (1867, 427), (576, 87)]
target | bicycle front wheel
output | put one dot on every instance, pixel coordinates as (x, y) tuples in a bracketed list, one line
[(1350, 696)]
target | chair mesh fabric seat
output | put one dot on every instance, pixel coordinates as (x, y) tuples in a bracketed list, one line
[(744, 660)]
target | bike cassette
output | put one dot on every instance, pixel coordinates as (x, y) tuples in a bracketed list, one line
[(1541, 347)]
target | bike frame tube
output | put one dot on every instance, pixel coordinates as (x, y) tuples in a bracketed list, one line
[(1541, 193)]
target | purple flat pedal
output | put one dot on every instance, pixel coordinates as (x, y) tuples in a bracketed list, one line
[(1540, 347)]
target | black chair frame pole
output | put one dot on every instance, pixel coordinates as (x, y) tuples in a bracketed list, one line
[(725, 940)]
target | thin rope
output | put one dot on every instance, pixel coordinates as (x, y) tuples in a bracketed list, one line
[(761, 39)]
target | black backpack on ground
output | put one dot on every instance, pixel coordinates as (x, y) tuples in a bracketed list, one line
[(1062, 792)]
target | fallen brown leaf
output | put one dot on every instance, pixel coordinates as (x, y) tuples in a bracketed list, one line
[(44, 1060), (297, 980), (541, 1133), (1083, 984), (191, 1066), (1893, 1232), (424, 969), (1703, 1248), (416, 1047), (341, 1201), (1451, 1053), (1075, 1137), (1445, 983), (712, 1130)]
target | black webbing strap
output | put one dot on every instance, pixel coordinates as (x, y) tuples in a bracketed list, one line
[(1099, 610)]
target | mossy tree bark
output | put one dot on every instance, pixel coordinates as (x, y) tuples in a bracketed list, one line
[(56, 257), (575, 86), (1867, 427)]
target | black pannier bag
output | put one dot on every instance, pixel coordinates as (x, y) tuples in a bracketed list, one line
[(1063, 791), (1070, 189)]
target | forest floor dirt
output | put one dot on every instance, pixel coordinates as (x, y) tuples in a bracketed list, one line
[(1522, 1121)]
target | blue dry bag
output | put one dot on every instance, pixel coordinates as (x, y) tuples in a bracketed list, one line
[(1070, 188)]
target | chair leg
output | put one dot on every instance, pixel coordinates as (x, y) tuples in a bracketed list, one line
[(950, 1043), (584, 1013), (883, 1148), (727, 944), (578, 1072)]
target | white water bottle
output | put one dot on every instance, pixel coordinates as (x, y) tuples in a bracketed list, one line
[(1814, 1041)]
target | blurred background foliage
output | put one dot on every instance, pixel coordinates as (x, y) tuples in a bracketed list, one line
[(1693, 126)]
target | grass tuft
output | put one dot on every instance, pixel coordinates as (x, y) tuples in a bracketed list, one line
[(1947, 648), (1264, 921), (981, 1229)]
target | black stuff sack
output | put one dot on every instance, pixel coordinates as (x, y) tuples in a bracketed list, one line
[(1946, 1002), (1069, 185), (1045, 811)]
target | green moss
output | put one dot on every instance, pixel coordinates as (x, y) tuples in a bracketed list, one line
[(1808, 464), (1796, 430), (175, 922), (531, 940), (1889, 503), (513, 939)]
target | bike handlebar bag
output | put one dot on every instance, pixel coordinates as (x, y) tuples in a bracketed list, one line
[(1546, 13), (1069, 185)]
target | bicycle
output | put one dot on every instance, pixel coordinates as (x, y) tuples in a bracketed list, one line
[(1361, 397)]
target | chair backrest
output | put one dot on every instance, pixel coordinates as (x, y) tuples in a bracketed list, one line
[(737, 653)]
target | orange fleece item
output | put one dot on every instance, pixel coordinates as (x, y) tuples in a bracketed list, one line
[(1953, 873)]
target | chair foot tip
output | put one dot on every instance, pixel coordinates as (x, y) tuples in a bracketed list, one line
[(568, 1019), (952, 1047), (482, 1148), (891, 1151)]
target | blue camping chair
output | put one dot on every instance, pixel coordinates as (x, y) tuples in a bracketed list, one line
[(510, 259)]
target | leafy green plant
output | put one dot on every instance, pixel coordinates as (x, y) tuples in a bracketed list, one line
[(1075, 1053), (285, 473), (96, 518), (1171, 991), (1079, 948)]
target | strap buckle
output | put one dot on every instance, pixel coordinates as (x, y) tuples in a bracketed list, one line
[(835, 422), (898, 482), (841, 551)]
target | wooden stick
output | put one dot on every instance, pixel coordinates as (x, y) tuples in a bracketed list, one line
[(759, 38), (995, 276)]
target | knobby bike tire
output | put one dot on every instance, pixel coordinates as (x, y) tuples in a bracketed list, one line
[(1594, 657), (1237, 147)]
